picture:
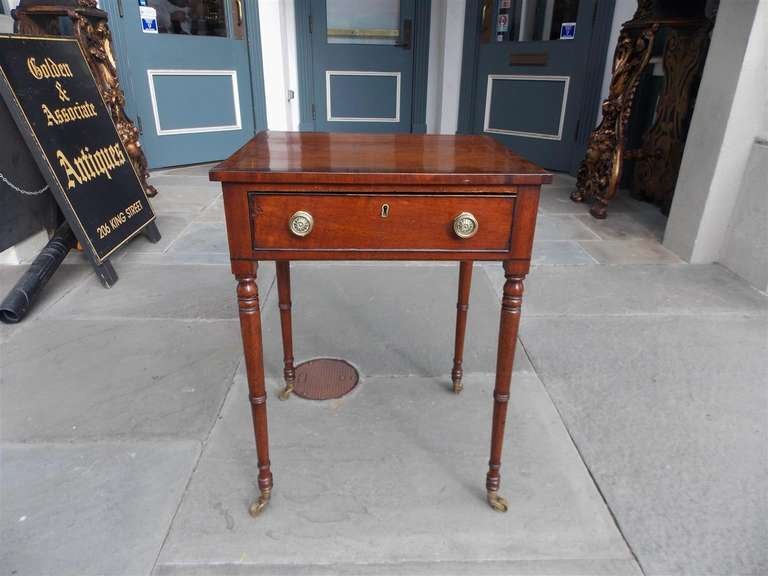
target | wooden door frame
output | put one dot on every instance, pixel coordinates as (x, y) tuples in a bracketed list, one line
[(593, 79), (422, 15)]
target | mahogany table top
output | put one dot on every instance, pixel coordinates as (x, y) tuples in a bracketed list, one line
[(388, 159)]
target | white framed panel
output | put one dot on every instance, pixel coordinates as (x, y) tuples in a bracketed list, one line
[(489, 96), (331, 118), (195, 129)]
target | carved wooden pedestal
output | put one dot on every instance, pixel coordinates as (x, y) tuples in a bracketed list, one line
[(89, 26), (660, 155)]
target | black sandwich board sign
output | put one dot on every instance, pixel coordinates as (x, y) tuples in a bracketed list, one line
[(53, 97)]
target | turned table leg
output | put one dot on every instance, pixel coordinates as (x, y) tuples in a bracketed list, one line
[(462, 305), (284, 298), (250, 325), (510, 320)]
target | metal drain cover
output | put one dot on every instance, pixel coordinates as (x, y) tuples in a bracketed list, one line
[(325, 379)]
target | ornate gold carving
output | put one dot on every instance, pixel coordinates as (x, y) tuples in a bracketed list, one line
[(599, 173), (92, 31), (645, 9), (661, 152), (659, 158)]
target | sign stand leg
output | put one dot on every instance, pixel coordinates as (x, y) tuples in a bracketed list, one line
[(106, 273), (152, 233)]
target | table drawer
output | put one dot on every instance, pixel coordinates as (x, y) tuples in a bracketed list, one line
[(325, 222)]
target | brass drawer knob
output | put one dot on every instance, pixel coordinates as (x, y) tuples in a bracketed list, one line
[(301, 223), (465, 225)]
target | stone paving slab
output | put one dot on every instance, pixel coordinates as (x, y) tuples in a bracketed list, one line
[(159, 180), (177, 196), (204, 292), (631, 290), (191, 170), (173, 258), (214, 212), (573, 567), (203, 238), (625, 226), (389, 319), (81, 379), (556, 253), (393, 473), (639, 251), (171, 225), (669, 415), (89, 509), (562, 227)]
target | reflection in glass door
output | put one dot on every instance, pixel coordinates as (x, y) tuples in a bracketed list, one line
[(534, 20), (199, 18), (379, 23)]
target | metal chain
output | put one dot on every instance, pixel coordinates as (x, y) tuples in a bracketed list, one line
[(21, 190)]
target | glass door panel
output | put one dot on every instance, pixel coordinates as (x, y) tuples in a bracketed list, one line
[(197, 18), (379, 23)]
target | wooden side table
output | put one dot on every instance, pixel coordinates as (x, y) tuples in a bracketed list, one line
[(317, 196)]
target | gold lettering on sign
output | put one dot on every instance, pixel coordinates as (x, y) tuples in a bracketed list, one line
[(72, 176), (59, 116), (105, 229), (89, 165), (63, 96), (48, 69)]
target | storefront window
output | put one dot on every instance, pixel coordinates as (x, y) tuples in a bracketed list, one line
[(193, 17)]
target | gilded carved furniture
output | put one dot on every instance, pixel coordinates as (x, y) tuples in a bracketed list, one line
[(658, 159), (90, 27), (317, 196)]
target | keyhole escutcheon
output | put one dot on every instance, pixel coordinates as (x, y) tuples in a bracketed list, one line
[(384, 210)]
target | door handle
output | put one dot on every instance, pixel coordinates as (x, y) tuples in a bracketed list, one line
[(239, 4), (404, 41)]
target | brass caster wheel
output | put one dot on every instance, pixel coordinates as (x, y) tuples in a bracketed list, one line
[(457, 386), (259, 504), (498, 503), (286, 392)]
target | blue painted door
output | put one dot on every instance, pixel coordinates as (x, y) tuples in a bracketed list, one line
[(530, 76), (362, 73), (184, 67)]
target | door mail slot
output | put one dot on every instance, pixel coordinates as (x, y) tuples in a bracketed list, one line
[(530, 59)]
